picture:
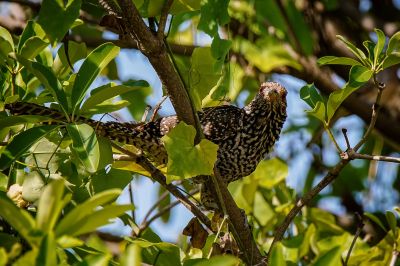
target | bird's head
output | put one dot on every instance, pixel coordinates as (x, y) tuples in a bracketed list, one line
[(274, 94)]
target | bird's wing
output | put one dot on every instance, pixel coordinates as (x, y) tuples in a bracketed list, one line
[(221, 122)]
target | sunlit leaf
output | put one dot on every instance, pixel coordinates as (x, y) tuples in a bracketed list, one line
[(56, 18), (158, 253), (391, 60), (225, 260), (391, 219), (270, 172), (47, 255), (78, 215), (379, 45), (91, 67), (277, 257), (131, 256), (85, 145), (76, 51), (357, 52), (51, 203), (202, 76), (334, 60), (32, 47), (394, 44), (21, 143), (6, 43), (184, 159), (18, 218), (357, 77), (330, 258), (213, 14)]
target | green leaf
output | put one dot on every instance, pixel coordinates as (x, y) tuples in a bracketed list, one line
[(184, 159), (357, 52), (78, 215), (104, 93), (220, 48), (267, 54), (391, 219), (375, 220), (357, 77), (310, 95), (91, 67), (330, 258), (306, 244), (48, 79), (99, 218), (277, 257), (32, 47), (131, 256), (21, 143), (56, 18), (214, 13), (114, 178), (51, 203), (137, 96), (318, 112), (76, 51), (379, 45), (18, 218), (391, 60), (31, 29), (10, 121), (85, 145), (394, 44), (47, 255), (6, 43), (270, 172), (203, 76), (3, 182), (162, 253), (262, 210), (224, 260), (334, 60)]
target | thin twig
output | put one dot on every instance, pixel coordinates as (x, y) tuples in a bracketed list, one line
[(350, 155), (146, 113), (157, 108), (375, 111), (344, 131), (147, 223), (357, 234), (123, 157), (163, 18), (158, 202), (395, 255), (158, 176), (131, 200)]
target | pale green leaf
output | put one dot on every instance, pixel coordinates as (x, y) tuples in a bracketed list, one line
[(330, 258), (277, 257), (379, 45), (47, 255), (224, 260), (391, 60), (184, 159), (270, 172), (6, 43), (267, 54), (131, 256), (51, 203), (214, 13), (318, 112)]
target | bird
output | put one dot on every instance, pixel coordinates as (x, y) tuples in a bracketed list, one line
[(244, 135)]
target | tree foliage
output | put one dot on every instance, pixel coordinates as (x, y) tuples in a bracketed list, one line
[(59, 181)]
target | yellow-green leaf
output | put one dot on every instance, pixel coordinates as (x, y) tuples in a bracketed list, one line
[(184, 159)]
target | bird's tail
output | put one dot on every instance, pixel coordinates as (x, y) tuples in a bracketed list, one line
[(145, 137)]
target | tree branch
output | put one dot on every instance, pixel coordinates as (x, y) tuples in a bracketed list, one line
[(160, 178), (163, 19)]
